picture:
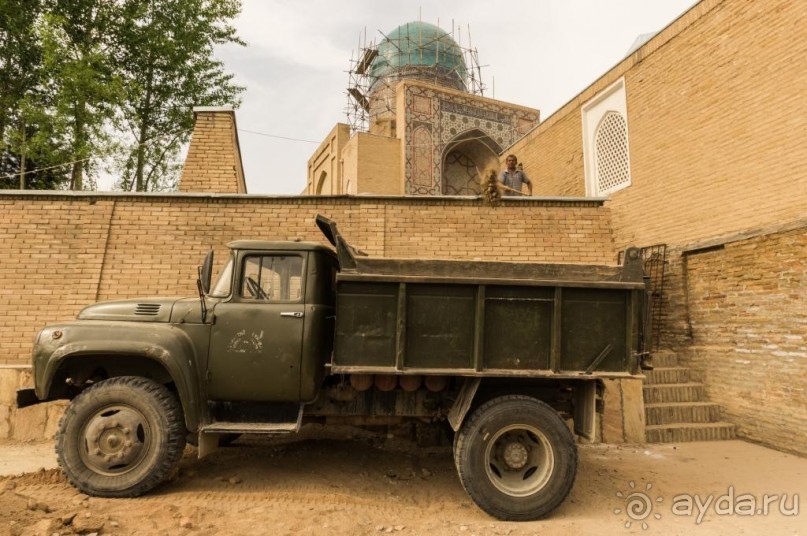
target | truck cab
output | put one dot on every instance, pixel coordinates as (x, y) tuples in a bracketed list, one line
[(271, 311)]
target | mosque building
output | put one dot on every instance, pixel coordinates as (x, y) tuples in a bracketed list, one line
[(420, 122)]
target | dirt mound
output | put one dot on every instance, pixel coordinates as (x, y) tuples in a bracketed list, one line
[(43, 476)]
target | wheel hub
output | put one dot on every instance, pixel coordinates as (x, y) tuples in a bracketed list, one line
[(519, 460), (515, 455), (115, 439)]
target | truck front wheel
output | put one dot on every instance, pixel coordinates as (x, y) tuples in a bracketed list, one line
[(121, 437), (516, 458)]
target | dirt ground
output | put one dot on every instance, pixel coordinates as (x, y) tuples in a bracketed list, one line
[(351, 482)]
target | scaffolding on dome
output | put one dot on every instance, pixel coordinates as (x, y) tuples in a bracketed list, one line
[(361, 82)]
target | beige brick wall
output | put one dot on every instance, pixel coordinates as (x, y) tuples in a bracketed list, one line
[(378, 165), (364, 163), (717, 140), (63, 251), (325, 173), (213, 163), (749, 324), (717, 120), (52, 250)]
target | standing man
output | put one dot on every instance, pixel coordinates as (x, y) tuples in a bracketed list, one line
[(513, 178)]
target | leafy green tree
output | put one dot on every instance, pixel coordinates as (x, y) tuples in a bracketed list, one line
[(84, 81), (35, 150), (20, 57), (80, 80), (25, 144), (165, 59)]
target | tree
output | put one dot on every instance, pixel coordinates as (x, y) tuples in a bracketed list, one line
[(32, 158), (24, 143), (79, 78), (83, 80), (165, 60), (20, 57)]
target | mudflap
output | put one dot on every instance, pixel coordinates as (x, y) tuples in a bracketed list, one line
[(208, 444), (585, 409), (463, 403)]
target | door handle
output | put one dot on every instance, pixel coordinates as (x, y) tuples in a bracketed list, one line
[(293, 315)]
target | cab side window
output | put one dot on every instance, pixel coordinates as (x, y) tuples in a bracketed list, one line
[(272, 278)]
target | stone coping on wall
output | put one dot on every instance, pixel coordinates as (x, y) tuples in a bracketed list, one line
[(460, 200), (718, 241)]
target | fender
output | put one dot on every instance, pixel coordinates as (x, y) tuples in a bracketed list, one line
[(463, 403), (165, 344)]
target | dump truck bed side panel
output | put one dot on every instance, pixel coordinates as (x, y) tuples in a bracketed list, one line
[(403, 327)]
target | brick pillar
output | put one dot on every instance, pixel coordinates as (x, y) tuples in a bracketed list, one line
[(213, 164), (622, 420)]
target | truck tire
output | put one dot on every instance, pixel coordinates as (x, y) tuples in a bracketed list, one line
[(121, 437), (516, 458)]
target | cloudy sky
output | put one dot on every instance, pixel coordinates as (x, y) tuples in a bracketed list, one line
[(536, 53)]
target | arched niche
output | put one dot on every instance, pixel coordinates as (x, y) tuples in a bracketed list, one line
[(466, 158), (321, 183)]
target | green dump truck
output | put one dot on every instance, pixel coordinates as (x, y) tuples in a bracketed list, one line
[(295, 332)]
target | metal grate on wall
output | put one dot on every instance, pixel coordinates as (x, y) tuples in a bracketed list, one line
[(611, 151)]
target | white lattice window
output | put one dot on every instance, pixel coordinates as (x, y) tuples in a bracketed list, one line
[(606, 151), (611, 149)]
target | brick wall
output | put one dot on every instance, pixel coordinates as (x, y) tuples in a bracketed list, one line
[(325, 165), (62, 251), (748, 312), (213, 163), (376, 166), (719, 137), (717, 120)]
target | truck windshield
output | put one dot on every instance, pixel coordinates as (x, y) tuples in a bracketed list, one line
[(222, 287)]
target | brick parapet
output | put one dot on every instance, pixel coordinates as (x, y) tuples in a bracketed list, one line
[(64, 250)]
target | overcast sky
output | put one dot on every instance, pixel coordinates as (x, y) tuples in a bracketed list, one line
[(537, 53)]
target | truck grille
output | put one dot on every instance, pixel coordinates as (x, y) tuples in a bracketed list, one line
[(148, 309)]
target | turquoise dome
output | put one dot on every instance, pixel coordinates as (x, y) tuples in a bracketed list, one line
[(420, 49)]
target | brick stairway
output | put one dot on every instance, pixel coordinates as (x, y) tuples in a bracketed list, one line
[(676, 408)]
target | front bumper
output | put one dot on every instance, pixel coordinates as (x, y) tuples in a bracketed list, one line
[(27, 397)]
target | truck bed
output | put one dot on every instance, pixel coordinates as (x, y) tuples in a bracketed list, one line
[(475, 318)]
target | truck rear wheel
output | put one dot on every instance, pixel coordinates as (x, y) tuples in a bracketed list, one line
[(121, 437), (516, 458)]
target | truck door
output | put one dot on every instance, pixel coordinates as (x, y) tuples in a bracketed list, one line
[(257, 336)]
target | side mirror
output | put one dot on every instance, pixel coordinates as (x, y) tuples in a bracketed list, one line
[(206, 271)]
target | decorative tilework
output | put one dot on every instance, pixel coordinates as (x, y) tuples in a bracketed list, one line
[(524, 125), (422, 169), (451, 118), (460, 175), (422, 105)]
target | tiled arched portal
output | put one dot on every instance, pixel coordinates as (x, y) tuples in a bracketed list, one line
[(466, 160)]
